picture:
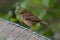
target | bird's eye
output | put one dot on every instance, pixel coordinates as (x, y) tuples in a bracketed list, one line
[(22, 13)]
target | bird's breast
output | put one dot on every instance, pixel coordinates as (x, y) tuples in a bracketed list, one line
[(29, 23)]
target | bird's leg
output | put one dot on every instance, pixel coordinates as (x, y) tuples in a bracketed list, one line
[(30, 30)]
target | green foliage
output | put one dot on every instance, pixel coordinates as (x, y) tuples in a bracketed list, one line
[(48, 10)]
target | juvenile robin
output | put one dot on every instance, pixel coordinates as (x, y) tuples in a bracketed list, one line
[(29, 19)]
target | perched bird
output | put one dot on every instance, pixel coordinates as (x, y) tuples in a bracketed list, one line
[(30, 19)]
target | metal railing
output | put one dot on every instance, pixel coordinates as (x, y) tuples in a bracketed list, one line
[(13, 31)]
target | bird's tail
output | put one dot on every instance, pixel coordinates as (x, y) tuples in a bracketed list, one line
[(43, 23)]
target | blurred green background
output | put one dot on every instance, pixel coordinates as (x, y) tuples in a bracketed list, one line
[(48, 10)]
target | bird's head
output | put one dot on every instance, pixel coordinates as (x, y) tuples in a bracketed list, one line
[(24, 12)]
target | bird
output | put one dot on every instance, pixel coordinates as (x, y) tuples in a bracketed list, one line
[(29, 19)]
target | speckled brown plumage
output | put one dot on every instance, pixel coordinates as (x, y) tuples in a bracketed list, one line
[(28, 18)]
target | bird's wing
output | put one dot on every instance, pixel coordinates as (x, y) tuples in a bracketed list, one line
[(33, 18)]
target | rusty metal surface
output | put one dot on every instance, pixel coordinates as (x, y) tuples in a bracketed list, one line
[(13, 31)]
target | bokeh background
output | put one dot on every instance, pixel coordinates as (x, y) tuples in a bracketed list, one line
[(47, 10)]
